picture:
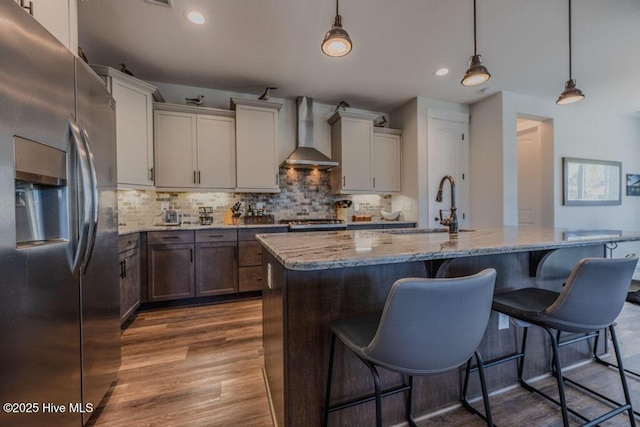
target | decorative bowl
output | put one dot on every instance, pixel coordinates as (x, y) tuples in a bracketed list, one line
[(390, 216)]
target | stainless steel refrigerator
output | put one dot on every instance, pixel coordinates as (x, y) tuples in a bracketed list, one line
[(59, 288)]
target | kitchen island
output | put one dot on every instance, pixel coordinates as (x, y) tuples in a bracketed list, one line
[(312, 279)]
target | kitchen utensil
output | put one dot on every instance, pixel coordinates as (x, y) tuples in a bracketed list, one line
[(343, 203)]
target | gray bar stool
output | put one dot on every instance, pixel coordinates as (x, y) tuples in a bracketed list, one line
[(591, 299), (427, 326)]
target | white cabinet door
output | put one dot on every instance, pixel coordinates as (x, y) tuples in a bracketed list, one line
[(257, 149), (448, 154), (60, 17), (216, 152), (134, 134), (357, 173), (175, 136), (386, 162)]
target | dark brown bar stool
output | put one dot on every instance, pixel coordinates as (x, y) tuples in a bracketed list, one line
[(590, 301), (405, 338)]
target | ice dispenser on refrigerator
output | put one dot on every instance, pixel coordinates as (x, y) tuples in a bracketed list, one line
[(40, 194)]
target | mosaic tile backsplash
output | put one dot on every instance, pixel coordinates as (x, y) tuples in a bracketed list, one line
[(303, 194)]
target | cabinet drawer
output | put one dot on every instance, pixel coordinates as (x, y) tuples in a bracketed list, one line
[(250, 233), (216, 235), (169, 237), (128, 242), (249, 253), (250, 278)]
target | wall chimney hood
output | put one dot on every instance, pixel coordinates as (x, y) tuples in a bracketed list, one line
[(305, 156)]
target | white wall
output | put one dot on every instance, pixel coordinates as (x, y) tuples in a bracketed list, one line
[(487, 191), (406, 118), (581, 130)]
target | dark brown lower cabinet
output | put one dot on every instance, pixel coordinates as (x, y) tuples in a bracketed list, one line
[(250, 257), (216, 269), (171, 271), (130, 275)]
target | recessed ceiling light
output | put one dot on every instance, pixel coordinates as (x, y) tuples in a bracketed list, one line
[(441, 72), (195, 17)]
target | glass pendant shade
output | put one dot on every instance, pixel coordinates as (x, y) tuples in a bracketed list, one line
[(570, 94), (476, 73), (336, 42)]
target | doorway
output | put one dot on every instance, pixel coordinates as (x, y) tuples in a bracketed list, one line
[(535, 172)]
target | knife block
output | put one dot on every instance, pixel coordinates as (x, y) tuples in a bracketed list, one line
[(228, 218)]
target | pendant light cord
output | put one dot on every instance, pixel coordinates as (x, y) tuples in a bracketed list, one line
[(337, 13), (475, 49), (570, 75)]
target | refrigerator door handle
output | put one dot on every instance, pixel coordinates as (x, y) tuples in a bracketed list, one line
[(95, 199), (84, 204)]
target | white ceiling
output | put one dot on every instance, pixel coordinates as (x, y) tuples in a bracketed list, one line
[(246, 45)]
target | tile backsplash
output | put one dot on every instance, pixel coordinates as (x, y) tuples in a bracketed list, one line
[(303, 194)]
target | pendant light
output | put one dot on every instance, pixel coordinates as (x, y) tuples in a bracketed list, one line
[(476, 73), (571, 93), (336, 42)]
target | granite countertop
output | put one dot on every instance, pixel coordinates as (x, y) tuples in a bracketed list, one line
[(124, 229), (337, 249)]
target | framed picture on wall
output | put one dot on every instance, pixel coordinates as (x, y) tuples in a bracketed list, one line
[(591, 182), (633, 184)]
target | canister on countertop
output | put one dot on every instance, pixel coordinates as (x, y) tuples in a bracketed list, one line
[(343, 209)]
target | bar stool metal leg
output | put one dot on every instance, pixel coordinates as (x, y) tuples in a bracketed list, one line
[(409, 414), (559, 379), (483, 386), (376, 385), (623, 377)]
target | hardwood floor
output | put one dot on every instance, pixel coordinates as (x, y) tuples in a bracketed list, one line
[(202, 366), (193, 366)]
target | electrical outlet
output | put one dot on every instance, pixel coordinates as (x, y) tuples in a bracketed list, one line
[(406, 206), (164, 206), (356, 207), (503, 321)]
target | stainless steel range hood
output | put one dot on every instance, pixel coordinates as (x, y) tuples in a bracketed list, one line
[(305, 156)]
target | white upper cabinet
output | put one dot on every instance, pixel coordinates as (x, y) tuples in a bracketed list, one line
[(60, 17), (195, 148), (175, 136), (386, 160), (369, 159), (134, 127), (216, 151), (256, 145)]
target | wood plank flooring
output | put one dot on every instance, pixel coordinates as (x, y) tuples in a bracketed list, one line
[(192, 366), (202, 366)]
